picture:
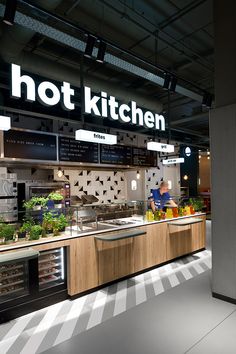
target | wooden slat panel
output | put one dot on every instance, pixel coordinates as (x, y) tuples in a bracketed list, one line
[(83, 265), (115, 259)]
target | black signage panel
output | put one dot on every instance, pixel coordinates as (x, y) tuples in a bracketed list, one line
[(27, 145), (144, 157), (77, 151), (116, 154)]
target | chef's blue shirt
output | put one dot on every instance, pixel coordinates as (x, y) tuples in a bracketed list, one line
[(158, 198)]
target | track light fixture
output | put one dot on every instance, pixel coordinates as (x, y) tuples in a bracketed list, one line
[(170, 82), (101, 51), (89, 46), (10, 11), (173, 83), (167, 79), (91, 41), (207, 100)]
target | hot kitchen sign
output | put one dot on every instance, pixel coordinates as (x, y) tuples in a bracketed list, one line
[(101, 105)]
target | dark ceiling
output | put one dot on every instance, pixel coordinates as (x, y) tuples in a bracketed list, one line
[(175, 34)]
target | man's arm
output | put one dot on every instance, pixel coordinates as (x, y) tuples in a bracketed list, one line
[(172, 203), (152, 204)]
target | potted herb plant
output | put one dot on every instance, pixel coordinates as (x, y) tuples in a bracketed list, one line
[(35, 203), (35, 232), (7, 232), (48, 221), (56, 198), (25, 228), (62, 222), (59, 224)]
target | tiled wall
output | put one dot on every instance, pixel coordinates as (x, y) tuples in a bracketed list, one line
[(107, 186)]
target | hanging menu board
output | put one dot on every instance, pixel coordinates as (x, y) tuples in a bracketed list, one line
[(144, 157), (116, 154), (77, 151), (27, 145)]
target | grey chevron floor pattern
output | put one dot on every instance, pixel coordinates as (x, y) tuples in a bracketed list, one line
[(40, 330)]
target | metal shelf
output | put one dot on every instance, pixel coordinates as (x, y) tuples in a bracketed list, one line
[(185, 222), (11, 268), (11, 292), (49, 252), (48, 281), (11, 284), (12, 276), (119, 236), (45, 275), (49, 259), (51, 266)]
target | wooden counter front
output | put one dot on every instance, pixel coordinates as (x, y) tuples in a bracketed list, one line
[(92, 262)]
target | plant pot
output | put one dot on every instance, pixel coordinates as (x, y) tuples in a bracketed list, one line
[(9, 241), (37, 207), (2, 240), (57, 206), (21, 234)]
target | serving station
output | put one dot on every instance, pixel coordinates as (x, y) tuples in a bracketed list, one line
[(91, 253)]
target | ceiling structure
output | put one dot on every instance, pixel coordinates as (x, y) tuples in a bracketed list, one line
[(175, 35)]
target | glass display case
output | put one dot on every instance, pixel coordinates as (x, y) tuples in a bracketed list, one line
[(29, 278), (43, 221), (51, 268), (13, 281)]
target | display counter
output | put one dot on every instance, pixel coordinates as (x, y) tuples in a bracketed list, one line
[(119, 249)]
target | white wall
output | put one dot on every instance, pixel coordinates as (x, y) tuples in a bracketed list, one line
[(172, 173)]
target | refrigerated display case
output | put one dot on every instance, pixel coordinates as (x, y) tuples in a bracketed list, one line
[(51, 268), (30, 280)]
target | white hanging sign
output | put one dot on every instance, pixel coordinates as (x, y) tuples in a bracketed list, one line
[(173, 161), (95, 137), (154, 146)]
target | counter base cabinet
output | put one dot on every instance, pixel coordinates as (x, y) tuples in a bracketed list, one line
[(94, 262), (115, 259), (184, 240), (150, 249), (83, 265)]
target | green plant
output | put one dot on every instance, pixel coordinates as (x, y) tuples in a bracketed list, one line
[(59, 223), (197, 203), (55, 196), (26, 226), (35, 232), (54, 222), (7, 231), (48, 220), (30, 204), (62, 222)]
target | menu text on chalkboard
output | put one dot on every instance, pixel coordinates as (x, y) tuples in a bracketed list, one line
[(144, 157), (27, 145), (77, 151), (116, 154)]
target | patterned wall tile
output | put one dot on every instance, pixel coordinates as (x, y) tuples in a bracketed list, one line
[(106, 185)]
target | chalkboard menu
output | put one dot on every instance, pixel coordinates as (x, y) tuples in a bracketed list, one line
[(77, 151), (144, 157), (116, 154), (27, 145)]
